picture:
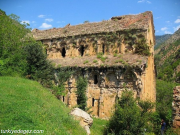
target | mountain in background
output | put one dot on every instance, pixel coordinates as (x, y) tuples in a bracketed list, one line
[(167, 58), (161, 39)]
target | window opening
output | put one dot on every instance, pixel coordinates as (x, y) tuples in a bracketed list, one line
[(95, 79), (103, 48), (51, 42), (46, 51), (63, 52), (93, 101), (82, 50), (63, 98)]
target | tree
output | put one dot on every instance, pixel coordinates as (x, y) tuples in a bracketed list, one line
[(130, 116), (81, 92), (62, 76), (12, 39), (38, 67), (164, 99)]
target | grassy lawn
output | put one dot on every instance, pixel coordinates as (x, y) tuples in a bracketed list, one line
[(26, 105), (98, 126)]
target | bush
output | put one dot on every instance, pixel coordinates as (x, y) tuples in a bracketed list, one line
[(164, 100), (38, 67), (142, 48), (129, 118), (12, 40), (62, 75)]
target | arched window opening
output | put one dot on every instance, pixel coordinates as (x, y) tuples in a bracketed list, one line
[(95, 79), (63, 52), (103, 48), (82, 50), (93, 101), (51, 42)]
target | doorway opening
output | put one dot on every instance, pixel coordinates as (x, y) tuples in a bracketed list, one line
[(63, 52), (82, 50), (93, 101), (95, 79)]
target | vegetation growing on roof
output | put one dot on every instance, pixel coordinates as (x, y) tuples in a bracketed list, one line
[(142, 48), (101, 57)]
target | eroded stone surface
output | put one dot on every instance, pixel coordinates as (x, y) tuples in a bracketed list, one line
[(85, 119), (176, 107), (78, 47)]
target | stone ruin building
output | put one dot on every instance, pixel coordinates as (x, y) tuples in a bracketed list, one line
[(176, 107), (109, 54)]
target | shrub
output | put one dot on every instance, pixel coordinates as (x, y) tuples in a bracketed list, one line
[(38, 67), (129, 118), (142, 48)]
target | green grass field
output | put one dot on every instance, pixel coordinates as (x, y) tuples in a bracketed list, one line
[(98, 126), (26, 105)]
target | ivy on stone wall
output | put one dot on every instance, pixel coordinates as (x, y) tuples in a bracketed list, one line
[(142, 48)]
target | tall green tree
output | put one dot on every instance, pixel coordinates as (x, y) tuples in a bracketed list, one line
[(38, 67), (131, 117), (81, 92), (164, 98), (12, 39)]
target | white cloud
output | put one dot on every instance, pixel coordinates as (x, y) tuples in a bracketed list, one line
[(177, 21), (157, 17), (167, 21), (33, 22), (146, 1), (45, 26), (25, 21), (140, 1), (60, 21), (176, 28), (164, 28), (48, 20), (41, 16), (167, 32)]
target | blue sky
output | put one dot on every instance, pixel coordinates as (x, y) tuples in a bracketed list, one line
[(45, 14)]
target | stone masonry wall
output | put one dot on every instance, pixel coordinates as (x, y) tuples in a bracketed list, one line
[(176, 107), (105, 85), (116, 40)]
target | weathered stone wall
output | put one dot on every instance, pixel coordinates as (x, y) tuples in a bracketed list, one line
[(78, 46), (89, 45), (176, 107), (105, 85), (149, 84)]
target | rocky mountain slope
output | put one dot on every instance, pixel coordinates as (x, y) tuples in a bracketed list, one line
[(161, 39), (167, 58)]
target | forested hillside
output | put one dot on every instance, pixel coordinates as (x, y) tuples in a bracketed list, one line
[(167, 59), (161, 39)]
